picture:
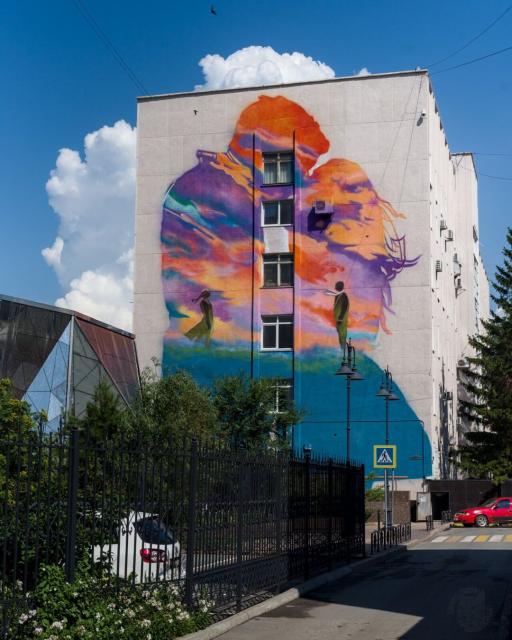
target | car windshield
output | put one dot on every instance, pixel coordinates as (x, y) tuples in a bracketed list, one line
[(153, 531), (488, 503)]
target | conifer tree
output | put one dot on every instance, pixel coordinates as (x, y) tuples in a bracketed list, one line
[(487, 451)]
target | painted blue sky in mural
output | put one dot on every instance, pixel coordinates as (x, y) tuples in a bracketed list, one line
[(60, 83)]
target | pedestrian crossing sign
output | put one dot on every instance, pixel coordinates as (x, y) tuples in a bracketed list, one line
[(384, 456)]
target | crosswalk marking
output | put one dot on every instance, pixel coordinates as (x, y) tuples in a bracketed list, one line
[(481, 538), (496, 538)]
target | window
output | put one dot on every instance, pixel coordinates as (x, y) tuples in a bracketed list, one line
[(153, 531), (278, 270), (284, 395), (503, 504), (277, 332), (278, 212), (278, 168)]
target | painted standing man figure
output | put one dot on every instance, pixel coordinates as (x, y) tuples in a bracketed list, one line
[(204, 328), (341, 308)]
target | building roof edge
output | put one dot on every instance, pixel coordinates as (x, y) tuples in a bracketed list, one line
[(69, 312), (370, 76)]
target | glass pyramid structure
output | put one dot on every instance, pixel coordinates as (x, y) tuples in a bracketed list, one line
[(55, 358)]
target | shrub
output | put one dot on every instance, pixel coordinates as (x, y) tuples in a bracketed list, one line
[(91, 609)]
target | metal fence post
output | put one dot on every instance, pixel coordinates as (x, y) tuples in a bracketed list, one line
[(363, 513), (191, 525), (307, 511), (72, 505), (242, 470), (330, 511)]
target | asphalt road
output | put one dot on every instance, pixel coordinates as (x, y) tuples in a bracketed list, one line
[(441, 590)]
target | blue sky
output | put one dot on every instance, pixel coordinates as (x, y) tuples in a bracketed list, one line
[(60, 83)]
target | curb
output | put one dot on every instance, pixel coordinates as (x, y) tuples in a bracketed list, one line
[(218, 628), (431, 534)]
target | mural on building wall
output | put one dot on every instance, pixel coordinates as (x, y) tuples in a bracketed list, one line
[(346, 251)]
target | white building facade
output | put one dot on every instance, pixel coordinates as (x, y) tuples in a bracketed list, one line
[(275, 223)]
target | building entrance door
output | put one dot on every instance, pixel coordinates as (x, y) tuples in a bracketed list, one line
[(440, 502)]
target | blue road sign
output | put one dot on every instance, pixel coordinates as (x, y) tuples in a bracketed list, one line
[(384, 456)]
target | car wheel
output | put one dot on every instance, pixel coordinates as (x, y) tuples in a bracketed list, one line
[(481, 521)]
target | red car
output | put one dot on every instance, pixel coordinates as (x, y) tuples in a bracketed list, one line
[(495, 511)]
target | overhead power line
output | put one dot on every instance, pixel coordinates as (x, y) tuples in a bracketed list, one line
[(91, 21), (474, 39), (494, 177), (464, 64), (501, 155)]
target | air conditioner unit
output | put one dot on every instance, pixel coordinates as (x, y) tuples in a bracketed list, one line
[(442, 225), (449, 235), (439, 266), (455, 258), (448, 396), (323, 207)]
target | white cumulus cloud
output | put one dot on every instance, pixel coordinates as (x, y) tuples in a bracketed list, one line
[(94, 197), (363, 72), (255, 65), (52, 254)]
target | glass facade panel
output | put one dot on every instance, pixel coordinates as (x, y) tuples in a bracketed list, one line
[(88, 371), (48, 389), (27, 337), (116, 352)]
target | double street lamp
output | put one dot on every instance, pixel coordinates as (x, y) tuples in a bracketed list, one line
[(386, 392), (349, 370)]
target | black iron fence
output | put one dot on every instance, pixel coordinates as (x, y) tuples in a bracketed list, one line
[(388, 537), (234, 524)]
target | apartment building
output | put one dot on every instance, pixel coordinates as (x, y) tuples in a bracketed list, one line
[(277, 224)]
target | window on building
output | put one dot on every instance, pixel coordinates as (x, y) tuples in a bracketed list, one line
[(284, 395), (277, 212), (278, 167), (277, 332), (278, 270)]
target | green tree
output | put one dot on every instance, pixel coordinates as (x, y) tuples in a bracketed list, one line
[(173, 408), (488, 451), (247, 412), (106, 418)]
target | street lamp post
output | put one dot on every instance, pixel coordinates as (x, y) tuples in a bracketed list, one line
[(386, 392), (349, 370)]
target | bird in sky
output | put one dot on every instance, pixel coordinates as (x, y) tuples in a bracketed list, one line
[(213, 10)]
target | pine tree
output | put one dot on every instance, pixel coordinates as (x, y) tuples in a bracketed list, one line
[(488, 451)]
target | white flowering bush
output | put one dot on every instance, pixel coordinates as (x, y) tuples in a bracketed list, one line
[(91, 609)]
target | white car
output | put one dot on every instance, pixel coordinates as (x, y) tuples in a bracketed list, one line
[(144, 549)]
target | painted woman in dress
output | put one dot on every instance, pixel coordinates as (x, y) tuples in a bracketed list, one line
[(204, 328)]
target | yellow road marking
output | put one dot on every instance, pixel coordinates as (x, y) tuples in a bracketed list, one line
[(508, 538), (481, 538)]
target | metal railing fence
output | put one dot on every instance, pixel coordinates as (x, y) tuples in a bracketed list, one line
[(233, 524), (389, 537)]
